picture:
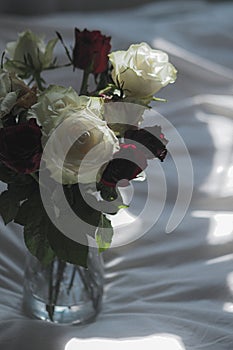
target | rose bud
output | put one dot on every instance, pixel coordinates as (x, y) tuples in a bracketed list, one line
[(152, 140), (126, 164), (91, 50), (31, 51), (20, 147)]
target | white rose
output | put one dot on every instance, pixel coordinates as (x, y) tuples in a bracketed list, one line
[(122, 116), (56, 101), (77, 141), (14, 95), (7, 98), (29, 50), (79, 147), (141, 71), (10, 83)]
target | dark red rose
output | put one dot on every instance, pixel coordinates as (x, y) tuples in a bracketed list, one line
[(20, 147), (91, 50), (152, 140), (126, 164)]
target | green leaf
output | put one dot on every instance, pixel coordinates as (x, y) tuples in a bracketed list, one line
[(22, 192), (112, 199), (8, 175), (42, 237), (67, 249), (159, 99), (7, 103), (38, 244), (104, 234), (81, 208), (48, 55), (107, 193), (33, 206), (9, 206), (123, 206), (20, 187), (21, 216), (116, 204), (31, 214)]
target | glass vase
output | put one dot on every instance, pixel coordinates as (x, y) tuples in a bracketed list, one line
[(64, 293)]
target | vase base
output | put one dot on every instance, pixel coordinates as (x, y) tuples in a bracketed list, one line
[(63, 293), (82, 313)]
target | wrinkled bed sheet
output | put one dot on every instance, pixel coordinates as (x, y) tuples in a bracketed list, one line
[(164, 290)]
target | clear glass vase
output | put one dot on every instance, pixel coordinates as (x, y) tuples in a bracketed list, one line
[(64, 293)]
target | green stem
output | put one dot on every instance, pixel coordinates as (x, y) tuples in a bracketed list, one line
[(54, 289), (84, 86), (50, 305), (38, 81), (65, 47), (88, 287), (35, 177), (71, 280), (2, 59), (58, 66), (60, 272)]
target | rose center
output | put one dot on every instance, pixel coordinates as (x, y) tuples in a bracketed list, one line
[(83, 145)]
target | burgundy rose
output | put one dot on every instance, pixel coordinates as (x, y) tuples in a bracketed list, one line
[(20, 147), (152, 140), (91, 50), (126, 164)]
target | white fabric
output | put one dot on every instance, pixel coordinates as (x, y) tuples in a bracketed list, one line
[(164, 291)]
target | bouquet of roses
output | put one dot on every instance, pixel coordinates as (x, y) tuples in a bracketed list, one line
[(58, 146)]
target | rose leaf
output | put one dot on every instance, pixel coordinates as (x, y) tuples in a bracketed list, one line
[(9, 206), (38, 244), (10, 176), (104, 234), (67, 249)]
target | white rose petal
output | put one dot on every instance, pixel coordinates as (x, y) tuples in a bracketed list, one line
[(75, 167), (57, 101), (141, 70), (5, 83), (66, 117)]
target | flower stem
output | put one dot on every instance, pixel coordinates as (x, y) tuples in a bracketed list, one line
[(71, 280), (88, 287), (38, 81), (84, 86), (54, 289), (50, 306), (60, 271), (58, 66), (35, 177)]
